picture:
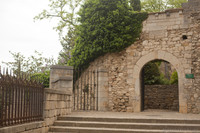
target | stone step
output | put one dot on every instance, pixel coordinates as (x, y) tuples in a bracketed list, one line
[(132, 120), (58, 129), (128, 125), (119, 124)]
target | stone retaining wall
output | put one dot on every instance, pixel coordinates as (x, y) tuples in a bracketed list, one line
[(172, 36), (161, 97)]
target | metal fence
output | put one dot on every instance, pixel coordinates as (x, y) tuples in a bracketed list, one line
[(21, 99), (85, 89)]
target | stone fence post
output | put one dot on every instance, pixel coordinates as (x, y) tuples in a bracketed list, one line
[(103, 90), (58, 98), (61, 77)]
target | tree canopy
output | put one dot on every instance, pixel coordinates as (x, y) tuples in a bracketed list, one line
[(153, 75), (33, 64), (37, 66), (136, 5), (65, 11), (105, 26), (160, 5), (92, 28)]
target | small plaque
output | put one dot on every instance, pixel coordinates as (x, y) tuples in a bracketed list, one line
[(189, 76)]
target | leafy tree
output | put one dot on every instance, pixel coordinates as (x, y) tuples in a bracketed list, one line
[(174, 78), (151, 73), (160, 5), (18, 64), (105, 26), (33, 64), (136, 5), (175, 3), (43, 77), (36, 66), (66, 12), (163, 80)]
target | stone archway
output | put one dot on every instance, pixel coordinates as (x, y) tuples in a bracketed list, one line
[(161, 55)]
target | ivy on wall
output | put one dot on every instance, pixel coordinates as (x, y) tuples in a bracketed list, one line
[(105, 26)]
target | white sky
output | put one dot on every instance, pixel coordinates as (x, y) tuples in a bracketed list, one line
[(19, 32)]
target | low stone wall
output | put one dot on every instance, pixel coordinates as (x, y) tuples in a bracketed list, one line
[(33, 127), (57, 102), (161, 97)]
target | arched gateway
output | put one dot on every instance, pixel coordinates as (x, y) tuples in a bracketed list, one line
[(113, 81), (161, 55)]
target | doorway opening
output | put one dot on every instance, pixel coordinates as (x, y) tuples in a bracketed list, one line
[(159, 86)]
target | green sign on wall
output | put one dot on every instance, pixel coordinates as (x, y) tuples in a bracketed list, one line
[(189, 76)]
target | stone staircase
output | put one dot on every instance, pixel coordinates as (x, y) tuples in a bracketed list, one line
[(88, 124)]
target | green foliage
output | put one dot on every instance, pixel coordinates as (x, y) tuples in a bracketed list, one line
[(34, 64), (136, 5), (43, 77), (174, 78), (65, 11), (160, 5), (175, 3), (151, 74), (105, 26), (163, 80), (18, 64)]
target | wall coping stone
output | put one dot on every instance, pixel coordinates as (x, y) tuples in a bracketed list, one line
[(57, 91), (68, 78), (22, 127), (168, 10), (62, 67)]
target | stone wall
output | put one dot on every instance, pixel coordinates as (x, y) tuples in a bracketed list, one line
[(57, 102), (161, 97), (192, 11), (58, 98), (163, 37)]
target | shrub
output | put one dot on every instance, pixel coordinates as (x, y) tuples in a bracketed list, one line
[(174, 78), (105, 26), (42, 77)]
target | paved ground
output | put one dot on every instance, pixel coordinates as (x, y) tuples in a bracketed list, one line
[(149, 114)]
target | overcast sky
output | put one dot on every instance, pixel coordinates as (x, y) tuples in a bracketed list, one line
[(19, 33)]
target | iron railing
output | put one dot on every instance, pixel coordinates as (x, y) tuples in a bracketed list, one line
[(21, 99), (85, 89)]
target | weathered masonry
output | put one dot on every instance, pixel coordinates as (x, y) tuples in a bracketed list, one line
[(172, 36), (115, 79)]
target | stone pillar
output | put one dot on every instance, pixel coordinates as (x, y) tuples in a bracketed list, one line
[(61, 77), (102, 90), (58, 98)]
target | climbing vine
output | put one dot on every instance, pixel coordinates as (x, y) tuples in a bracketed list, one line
[(104, 26)]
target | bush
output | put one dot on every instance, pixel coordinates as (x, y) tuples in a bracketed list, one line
[(174, 78), (151, 74), (105, 26), (163, 80), (43, 77)]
